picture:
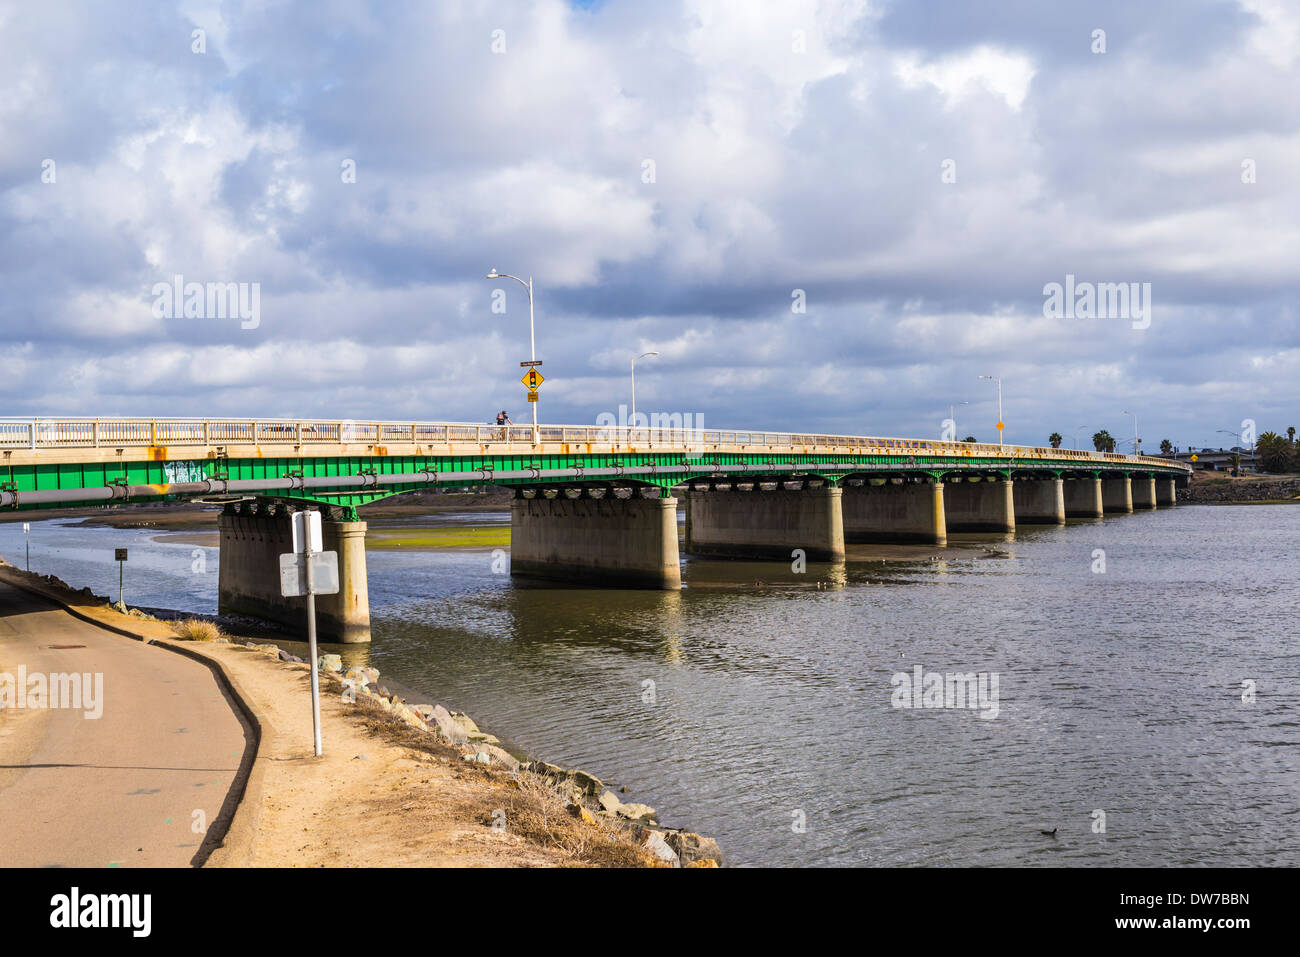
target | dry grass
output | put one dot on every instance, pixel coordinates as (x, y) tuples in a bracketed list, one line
[(196, 629), (541, 816)]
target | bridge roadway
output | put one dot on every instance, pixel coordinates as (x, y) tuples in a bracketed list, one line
[(594, 504)]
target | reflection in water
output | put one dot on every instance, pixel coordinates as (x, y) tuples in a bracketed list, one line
[(1118, 691)]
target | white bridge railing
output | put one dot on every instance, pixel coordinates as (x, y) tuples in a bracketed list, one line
[(70, 433)]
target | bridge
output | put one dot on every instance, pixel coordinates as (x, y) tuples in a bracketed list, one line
[(593, 505)]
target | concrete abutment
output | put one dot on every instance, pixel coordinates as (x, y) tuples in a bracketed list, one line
[(252, 540)]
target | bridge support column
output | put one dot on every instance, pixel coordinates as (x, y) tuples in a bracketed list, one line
[(911, 513), (767, 524), (252, 540), (1039, 501), (1083, 498), (1166, 492), (1117, 495), (628, 543), (1144, 491), (980, 506)]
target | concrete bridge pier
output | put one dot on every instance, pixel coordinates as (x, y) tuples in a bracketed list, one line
[(984, 506), (1144, 491), (1166, 492), (1117, 495), (766, 524), (1039, 501), (1083, 498), (605, 540), (910, 513), (252, 539)]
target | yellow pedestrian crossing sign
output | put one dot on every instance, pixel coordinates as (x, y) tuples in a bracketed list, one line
[(532, 378)]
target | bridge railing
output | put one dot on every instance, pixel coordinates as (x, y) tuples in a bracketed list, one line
[(53, 433)]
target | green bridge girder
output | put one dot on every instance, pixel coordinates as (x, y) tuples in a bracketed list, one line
[(477, 470)]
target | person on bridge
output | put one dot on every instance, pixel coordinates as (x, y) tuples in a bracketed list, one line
[(503, 418)]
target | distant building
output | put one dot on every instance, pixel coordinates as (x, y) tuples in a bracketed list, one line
[(1214, 460)]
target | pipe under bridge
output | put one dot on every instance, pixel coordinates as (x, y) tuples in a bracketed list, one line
[(593, 505)]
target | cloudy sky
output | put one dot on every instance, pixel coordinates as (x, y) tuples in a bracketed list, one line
[(679, 177)]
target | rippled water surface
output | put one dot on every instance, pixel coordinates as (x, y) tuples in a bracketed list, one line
[(1119, 691)]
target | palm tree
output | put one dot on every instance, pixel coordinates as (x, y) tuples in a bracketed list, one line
[(1055, 439), (1166, 446), (970, 438), (1103, 441), (1290, 434), (1273, 452)]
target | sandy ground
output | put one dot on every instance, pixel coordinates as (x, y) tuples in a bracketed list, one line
[(383, 793)]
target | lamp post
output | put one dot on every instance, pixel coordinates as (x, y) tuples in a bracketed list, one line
[(1077, 447), (998, 380), (532, 339), (1136, 440), (632, 420), (952, 417)]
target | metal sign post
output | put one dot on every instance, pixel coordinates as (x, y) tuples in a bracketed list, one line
[(119, 554), (27, 528), (309, 572)]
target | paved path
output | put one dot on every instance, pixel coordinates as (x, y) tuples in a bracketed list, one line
[(120, 790)]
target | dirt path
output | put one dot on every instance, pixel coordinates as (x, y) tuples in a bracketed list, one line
[(136, 785)]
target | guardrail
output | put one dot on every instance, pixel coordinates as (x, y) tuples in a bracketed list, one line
[(56, 433)]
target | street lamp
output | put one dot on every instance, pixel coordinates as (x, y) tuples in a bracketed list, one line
[(532, 339), (1077, 446), (998, 380), (632, 421), (1136, 440), (952, 417)]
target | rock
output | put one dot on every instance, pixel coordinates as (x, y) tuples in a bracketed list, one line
[(610, 802), (285, 656), (479, 736), (362, 675), (413, 718), (479, 757), (624, 789), (501, 756), (465, 721), (547, 770), (424, 710), (657, 846), (589, 784), (582, 814), (691, 848), (636, 812), (449, 728), (703, 862), (331, 663)]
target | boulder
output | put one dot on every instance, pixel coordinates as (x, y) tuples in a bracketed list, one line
[(589, 784), (465, 721), (657, 846), (363, 675), (479, 736), (640, 813), (610, 802), (692, 848), (500, 756), (331, 663), (449, 728)]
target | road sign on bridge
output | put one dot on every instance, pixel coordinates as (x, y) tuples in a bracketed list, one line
[(532, 378)]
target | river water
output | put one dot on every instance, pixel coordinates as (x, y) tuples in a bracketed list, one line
[(758, 705)]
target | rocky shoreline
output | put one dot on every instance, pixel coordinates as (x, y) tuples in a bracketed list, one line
[(1241, 491)]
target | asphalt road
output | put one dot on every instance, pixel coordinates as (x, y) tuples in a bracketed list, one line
[(136, 786)]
